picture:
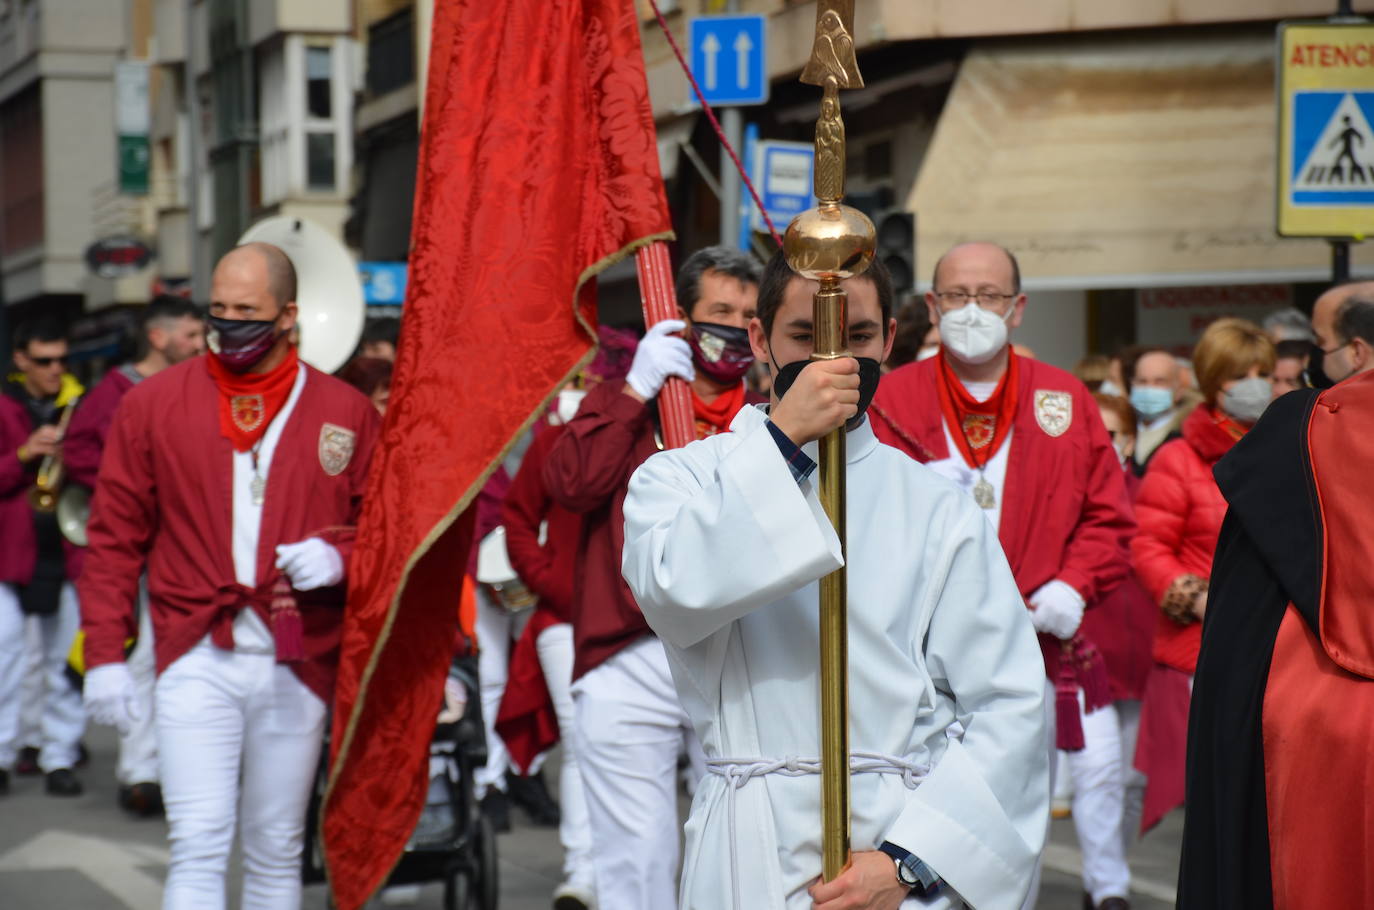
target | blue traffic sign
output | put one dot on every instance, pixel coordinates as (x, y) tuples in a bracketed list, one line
[(785, 172), (729, 58), (1333, 148), (383, 282)]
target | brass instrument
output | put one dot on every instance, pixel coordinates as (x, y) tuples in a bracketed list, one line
[(43, 496), (828, 244)]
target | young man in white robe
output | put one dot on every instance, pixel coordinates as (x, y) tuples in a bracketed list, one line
[(725, 541)]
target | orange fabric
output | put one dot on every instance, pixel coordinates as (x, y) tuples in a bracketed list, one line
[(715, 417), (467, 611), (1318, 739), (983, 424), (1342, 451), (538, 168), (249, 401)]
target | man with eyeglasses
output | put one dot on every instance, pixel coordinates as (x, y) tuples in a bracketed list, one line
[(1025, 439), (1343, 321), (32, 565)]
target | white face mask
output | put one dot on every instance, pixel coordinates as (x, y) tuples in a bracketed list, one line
[(1110, 388), (973, 334), (928, 352), (569, 400), (1247, 399)]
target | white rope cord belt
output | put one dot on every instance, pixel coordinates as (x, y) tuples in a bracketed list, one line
[(739, 771)]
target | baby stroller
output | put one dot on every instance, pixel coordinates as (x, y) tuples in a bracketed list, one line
[(453, 841)]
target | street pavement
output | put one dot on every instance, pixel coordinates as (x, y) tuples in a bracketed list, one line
[(86, 854)]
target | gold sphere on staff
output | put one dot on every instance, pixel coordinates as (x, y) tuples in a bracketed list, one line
[(831, 242)]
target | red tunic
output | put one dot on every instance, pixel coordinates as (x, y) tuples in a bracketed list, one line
[(1122, 625), (85, 440), (527, 722), (18, 542), (164, 495), (588, 472), (1065, 513)]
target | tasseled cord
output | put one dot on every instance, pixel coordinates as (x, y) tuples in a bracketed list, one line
[(287, 628), (1080, 666)]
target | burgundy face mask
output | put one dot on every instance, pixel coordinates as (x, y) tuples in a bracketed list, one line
[(722, 352), (241, 343)]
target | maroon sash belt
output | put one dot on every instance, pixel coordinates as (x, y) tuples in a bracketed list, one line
[(273, 598)]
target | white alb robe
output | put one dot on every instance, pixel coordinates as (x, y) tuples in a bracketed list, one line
[(723, 550)]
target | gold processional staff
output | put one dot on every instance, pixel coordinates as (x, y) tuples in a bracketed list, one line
[(828, 244)]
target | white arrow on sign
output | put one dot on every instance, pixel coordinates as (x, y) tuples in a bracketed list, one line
[(742, 48), (111, 865), (711, 49)]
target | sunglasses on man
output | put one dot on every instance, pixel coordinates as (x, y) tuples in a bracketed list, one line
[(48, 361)]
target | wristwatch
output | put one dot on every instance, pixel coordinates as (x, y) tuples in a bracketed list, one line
[(912, 871)]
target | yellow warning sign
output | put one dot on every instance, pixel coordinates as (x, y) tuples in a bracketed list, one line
[(1326, 130)]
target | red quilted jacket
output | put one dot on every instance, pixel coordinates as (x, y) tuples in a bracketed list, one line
[(1179, 511)]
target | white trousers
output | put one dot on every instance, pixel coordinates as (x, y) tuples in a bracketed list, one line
[(555, 646), (138, 748), (238, 739), (497, 628), (1133, 804), (630, 731), (63, 720), (1098, 802), (31, 687)]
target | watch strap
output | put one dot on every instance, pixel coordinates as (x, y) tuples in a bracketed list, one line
[(912, 870)]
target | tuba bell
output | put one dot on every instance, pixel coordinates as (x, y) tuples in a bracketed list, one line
[(73, 512), (329, 293)]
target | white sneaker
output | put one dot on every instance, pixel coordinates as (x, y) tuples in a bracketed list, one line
[(573, 896)]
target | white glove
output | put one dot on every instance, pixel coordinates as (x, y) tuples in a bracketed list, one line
[(109, 698), (659, 356), (310, 564), (1056, 609)]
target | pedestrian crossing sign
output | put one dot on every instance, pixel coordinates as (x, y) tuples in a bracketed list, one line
[(1326, 130)]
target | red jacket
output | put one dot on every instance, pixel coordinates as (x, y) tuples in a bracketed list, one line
[(588, 472), (85, 441), (1065, 513), (163, 496), (18, 542), (1180, 511)]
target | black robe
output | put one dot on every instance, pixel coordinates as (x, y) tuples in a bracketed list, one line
[(1269, 555)]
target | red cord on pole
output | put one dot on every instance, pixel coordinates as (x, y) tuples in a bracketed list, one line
[(715, 124)]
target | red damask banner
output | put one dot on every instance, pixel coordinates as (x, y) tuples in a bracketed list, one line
[(538, 168)]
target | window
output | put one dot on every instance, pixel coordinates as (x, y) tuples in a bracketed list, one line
[(319, 161), (305, 134), (318, 84)]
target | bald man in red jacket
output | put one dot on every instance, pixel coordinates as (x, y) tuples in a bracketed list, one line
[(1026, 440), (235, 478)]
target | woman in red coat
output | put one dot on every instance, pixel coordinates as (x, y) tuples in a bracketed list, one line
[(1180, 511)]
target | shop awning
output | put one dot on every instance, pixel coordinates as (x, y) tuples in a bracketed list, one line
[(1128, 160)]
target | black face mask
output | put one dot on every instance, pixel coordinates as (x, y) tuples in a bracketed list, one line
[(1315, 374), (870, 372), (240, 344)]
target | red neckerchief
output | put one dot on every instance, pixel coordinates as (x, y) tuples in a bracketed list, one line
[(982, 424), (249, 401), (1233, 428), (715, 417)]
